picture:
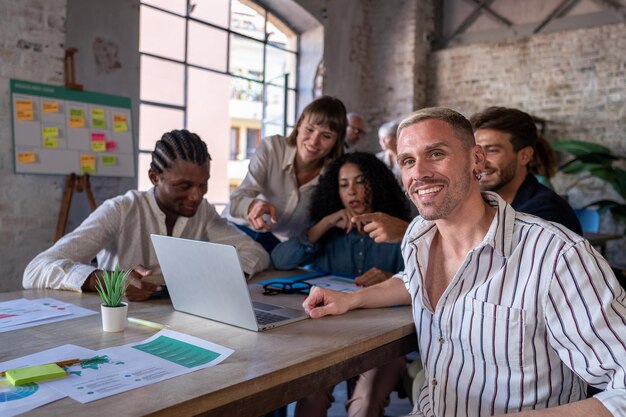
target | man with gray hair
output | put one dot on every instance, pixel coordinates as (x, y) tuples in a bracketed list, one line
[(514, 313), (354, 132), (388, 143)]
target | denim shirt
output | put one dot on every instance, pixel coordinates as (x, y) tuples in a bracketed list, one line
[(350, 254)]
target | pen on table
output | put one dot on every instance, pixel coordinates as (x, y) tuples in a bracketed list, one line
[(147, 323)]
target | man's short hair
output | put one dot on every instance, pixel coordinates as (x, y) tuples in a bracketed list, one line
[(518, 124), (455, 120)]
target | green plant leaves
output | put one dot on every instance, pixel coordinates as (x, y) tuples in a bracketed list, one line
[(579, 148), (112, 286)]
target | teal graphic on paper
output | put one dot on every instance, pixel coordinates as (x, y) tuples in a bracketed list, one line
[(180, 353), (10, 393)]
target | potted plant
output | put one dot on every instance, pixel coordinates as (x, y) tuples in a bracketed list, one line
[(593, 160), (111, 288)]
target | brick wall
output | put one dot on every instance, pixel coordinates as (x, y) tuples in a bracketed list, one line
[(575, 80), (376, 58), (32, 34)]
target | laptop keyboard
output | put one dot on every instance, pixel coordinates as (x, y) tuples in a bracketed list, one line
[(263, 317)]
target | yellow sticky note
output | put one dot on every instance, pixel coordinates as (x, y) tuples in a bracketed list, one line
[(28, 157), (50, 132), (109, 160), (98, 118), (98, 145), (119, 122), (24, 110), (50, 106), (51, 143), (88, 164), (77, 118), (23, 376)]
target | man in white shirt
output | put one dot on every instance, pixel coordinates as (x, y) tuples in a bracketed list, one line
[(118, 232), (514, 314)]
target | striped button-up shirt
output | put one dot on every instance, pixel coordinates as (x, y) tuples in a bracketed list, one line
[(532, 316)]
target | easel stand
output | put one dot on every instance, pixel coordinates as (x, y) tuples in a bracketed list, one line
[(73, 183)]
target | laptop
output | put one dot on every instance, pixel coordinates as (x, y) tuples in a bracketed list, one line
[(205, 279)]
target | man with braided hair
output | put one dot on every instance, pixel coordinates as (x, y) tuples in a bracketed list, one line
[(118, 232)]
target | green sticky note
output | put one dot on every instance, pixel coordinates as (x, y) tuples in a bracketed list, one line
[(22, 376)]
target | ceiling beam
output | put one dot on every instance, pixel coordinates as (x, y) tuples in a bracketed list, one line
[(489, 11), (469, 20), (613, 6), (562, 9)]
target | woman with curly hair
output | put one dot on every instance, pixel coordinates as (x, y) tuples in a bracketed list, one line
[(354, 184)]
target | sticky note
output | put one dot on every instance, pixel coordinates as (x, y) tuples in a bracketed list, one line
[(28, 157), (98, 136), (88, 164), (50, 132), (111, 145), (119, 123), (98, 145), (24, 110), (109, 160), (50, 106), (98, 118), (77, 118), (23, 376), (51, 143)]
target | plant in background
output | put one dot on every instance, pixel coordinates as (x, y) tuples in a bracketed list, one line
[(596, 161), (112, 286)]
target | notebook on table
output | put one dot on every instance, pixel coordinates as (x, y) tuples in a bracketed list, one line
[(206, 279)]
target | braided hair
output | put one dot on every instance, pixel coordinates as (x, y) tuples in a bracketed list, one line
[(178, 144)]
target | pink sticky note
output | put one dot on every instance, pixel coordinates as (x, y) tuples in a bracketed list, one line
[(97, 136), (111, 145)]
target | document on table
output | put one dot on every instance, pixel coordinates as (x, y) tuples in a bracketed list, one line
[(320, 279), (18, 400), (22, 313)]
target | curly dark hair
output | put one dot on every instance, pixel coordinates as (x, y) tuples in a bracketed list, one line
[(387, 196)]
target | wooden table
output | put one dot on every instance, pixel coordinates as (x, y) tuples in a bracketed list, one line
[(268, 369)]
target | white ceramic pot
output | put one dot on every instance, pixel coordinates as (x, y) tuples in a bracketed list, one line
[(114, 318)]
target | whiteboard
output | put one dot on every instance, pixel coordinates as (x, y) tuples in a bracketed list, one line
[(61, 131)]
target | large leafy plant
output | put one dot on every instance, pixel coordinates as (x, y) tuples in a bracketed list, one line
[(112, 286), (593, 160)]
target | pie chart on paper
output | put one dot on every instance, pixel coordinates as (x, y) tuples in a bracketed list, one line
[(10, 393)]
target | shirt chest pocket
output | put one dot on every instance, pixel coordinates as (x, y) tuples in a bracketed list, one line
[(493, 333)]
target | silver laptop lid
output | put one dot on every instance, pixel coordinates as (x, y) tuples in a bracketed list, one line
[(205, 279)]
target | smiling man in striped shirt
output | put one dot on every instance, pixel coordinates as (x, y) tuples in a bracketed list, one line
[(513, 313)]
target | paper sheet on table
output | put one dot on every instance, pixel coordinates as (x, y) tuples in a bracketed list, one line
[(18, 400), (334, 282), (73, 311), (22, 311), (165, 355)]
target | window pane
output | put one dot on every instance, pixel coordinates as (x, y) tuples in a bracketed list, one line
[(246, 57), (207, 115), (274, 111), (248, 19), (280, 34), (161, 81), (207, 46), (279, 63), (143, 181), (154, 121), (212, 11), (162, 34), (291, 109), (176, 6), (253, 139)]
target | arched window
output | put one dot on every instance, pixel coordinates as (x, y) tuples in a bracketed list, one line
[(224, 69)]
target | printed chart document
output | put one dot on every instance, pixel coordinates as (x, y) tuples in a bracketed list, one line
[(17, 400), (22, 313), (165, 355)]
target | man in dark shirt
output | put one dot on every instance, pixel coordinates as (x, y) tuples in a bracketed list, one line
[(508, 137)]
